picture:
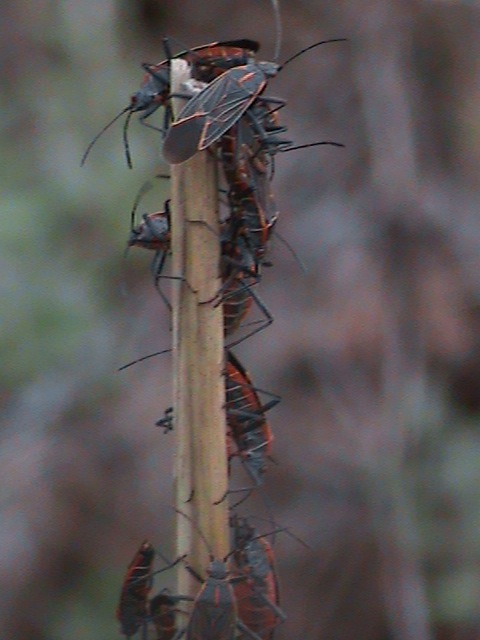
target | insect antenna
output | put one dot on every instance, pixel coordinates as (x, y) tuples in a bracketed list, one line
[(150, 355), (278, 29), (248, 493), (311, 144), (198, 530), (312, 46), (126, 146), (100, 133), (295, 255), (284, 147), (145, 188), (167, 49), (279, 529)]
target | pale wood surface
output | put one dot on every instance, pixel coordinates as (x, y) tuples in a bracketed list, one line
[(199, 388)]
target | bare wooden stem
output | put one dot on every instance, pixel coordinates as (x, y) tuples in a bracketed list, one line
[(198, 360)]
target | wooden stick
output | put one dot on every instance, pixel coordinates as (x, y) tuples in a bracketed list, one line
[(198, 359)]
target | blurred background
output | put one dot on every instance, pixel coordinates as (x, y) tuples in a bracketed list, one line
[(375, 350)]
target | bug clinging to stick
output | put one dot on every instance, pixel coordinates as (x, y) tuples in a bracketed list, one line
[(257, 596), (132, 608), (214, 615), (207, 62), (162, 613)]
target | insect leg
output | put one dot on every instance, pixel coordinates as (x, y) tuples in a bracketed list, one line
[(156, 268), (167, 421), (245, 630), (267, 321)]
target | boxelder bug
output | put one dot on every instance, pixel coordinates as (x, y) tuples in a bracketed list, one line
[(247, 426), (252, 136), (162, 614), (210, 113), (207, 62), (246, 419), (246, 156), (236, 295), (237, 299), (137, 584), (248, 210), (240, 274), (132, 608), (152, 233), (212, 60), (258, 595), (214, 613)]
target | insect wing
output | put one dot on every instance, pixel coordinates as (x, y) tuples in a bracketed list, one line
[(181, 142), (237, 302), (242, 401), (240, 88), (211, 62), (254, 610), (237, 84), (261, 559), (209, 114), (213, 618), (244, 43), (195, 53), (132, 608), (258, 596), (255, 447)]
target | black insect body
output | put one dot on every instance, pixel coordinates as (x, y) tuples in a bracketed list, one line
[(213, 60), (132, 608), (248, 426), (162, 614), (248, 430), (237, 270), (214, 614), (253, 136), (258, 595), (245, 161), (206, 61), (153, 232)]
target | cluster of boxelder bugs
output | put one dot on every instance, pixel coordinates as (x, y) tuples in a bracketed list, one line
[(239, 593), (227, 114)]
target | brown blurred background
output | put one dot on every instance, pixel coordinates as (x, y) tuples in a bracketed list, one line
[(375, 350)]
